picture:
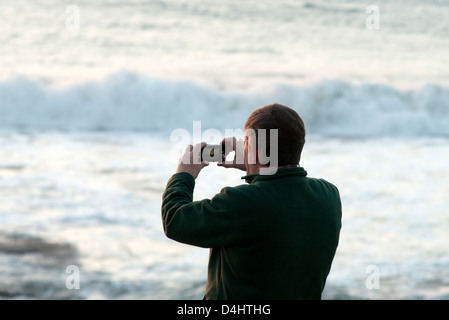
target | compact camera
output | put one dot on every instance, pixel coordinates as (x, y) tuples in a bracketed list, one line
[(213, 153)]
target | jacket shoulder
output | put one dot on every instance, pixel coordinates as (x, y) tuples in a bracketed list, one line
[(324, 184), (242, 195)]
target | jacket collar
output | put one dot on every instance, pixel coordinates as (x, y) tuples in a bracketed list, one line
[(275, 173)]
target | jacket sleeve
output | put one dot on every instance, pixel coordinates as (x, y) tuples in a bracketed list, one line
[(207, 223)]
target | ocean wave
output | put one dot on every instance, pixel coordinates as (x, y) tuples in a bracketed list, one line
[(132, 101)]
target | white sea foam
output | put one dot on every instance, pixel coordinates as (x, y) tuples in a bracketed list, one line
[(131, 101), (100, 192)]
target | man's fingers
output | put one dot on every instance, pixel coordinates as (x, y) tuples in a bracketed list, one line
[(198, 151), (229, 144)]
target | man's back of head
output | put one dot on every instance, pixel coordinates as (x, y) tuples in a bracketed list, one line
[(289, 126)]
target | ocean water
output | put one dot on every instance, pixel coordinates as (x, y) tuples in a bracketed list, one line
[(91, 94)]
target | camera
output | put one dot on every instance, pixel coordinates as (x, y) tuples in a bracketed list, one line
[(213, 153)]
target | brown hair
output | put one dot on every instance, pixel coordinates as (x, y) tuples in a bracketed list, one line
[(291, 130)]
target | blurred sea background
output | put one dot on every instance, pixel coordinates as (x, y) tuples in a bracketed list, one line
[(91, 92)]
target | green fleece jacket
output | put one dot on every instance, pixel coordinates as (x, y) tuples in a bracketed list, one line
[(273, 238)]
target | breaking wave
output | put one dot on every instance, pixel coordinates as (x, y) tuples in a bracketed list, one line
[(132, 101)]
